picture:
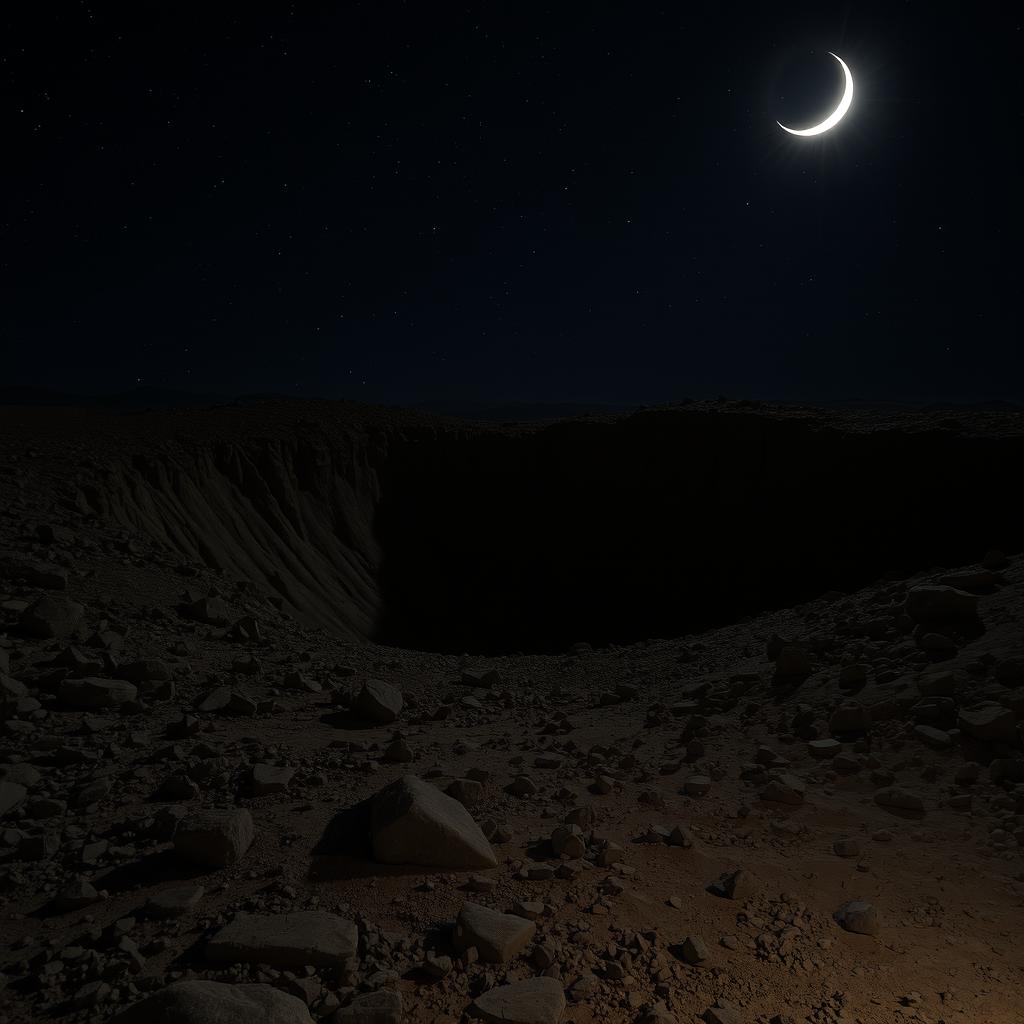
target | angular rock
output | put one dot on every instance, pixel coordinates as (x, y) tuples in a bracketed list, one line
[(680, 836), (694, 949), (211, 610), (485, 677), (850, 718), (894, 796), (568, 841), (736, 885), (468, 792), (51, 617), (216, 699), (11, 691), (286, 941), (497, 937), (214, 838), (792, 664), (92, 692), (270, 778), (175, 900), (12, 794), (413, 822), (722, 1015), (786, 789), (858, 916), (146, 670), (382, 1007), (989, 723), (940, 604), (534, 1001), (938, 739), (76, 895), (214, 1002), (379, 701)]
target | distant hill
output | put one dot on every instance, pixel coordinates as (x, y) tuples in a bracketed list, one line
[(518, 412)]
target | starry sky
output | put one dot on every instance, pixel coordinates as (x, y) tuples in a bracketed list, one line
[(403, 202)]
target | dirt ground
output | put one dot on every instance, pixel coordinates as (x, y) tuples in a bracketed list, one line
[(712, 710)]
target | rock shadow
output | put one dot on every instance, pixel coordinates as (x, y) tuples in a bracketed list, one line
[(902, 812), (345, 850), (343, 718)]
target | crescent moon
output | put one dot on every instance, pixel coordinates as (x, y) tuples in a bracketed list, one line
[(837, 115)]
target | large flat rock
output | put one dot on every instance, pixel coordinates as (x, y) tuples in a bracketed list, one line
[(381, 1007), (413, 822), (213, 1002), (285, 940), (534, 1001), (93, 692), (497, 937)]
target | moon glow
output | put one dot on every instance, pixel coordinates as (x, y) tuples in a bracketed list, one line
[(837, 115)]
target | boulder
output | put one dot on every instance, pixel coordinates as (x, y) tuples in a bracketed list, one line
[(736, 885), (941, 604), (497, 937), (792, 664), (11, 691), (93, 692), (786, 789), (568, 841), (12, 794), (694, 949), (214, 1002), (214, 838), (270, 778), (413, 822), (51, 617), (286, 941), (990, 723), (858, 916), (534, 1001), (379, 701), (76, 895)]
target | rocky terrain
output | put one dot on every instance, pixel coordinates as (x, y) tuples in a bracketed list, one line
[(233, 788)]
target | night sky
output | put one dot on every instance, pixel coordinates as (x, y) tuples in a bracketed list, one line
[(593, 202)]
